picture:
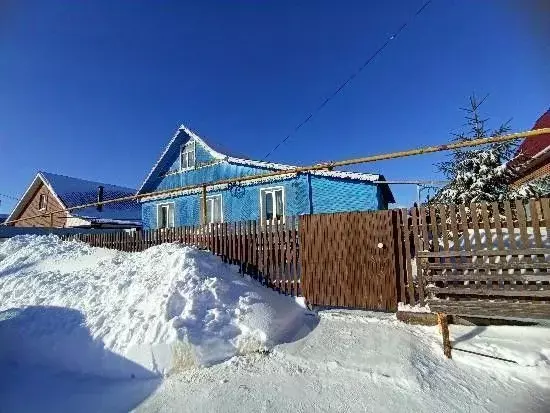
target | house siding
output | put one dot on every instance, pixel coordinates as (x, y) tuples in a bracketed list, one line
[(205, 174), (242, 203), (331, 195), (239, 203), (31, 209), (304, 193)]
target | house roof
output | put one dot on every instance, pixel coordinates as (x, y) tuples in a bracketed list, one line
[(368, 177), (71, 192), (536, 146)]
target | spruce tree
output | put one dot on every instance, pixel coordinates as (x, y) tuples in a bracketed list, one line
[(479, 173)]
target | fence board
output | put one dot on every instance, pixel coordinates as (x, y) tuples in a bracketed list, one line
[(408, 267)]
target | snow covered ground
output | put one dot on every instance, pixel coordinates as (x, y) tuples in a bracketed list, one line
[(70, 315), (117, 314)]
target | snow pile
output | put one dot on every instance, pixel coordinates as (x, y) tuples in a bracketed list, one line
[(77, 308)]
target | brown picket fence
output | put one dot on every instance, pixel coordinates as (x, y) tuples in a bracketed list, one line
[(267, 252), (457, 259)]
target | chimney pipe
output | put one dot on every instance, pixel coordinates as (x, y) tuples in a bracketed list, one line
[(100, 198)]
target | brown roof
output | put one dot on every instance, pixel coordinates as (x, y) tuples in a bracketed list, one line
[(532, 146)]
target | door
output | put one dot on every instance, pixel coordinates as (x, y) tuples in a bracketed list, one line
[(348, 260)]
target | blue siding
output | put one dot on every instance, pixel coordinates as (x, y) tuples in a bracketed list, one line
[(304, 194), (239, 203), (205, 174), (336, 195), (202, 156)]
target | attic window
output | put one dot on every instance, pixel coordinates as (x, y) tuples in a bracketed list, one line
[(42, 202), (187, 156)]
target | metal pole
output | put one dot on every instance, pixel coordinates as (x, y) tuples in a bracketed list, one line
[(203, 202), (318, 167)]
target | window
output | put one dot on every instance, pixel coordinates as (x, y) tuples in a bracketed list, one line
[(272, 201), (214, 210), (187, 157), (42, 202), (165, 215)]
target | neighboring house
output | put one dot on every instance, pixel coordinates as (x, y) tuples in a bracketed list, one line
[(187, 160), (531, 163), (50, 192)]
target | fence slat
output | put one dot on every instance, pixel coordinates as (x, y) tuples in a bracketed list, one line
[(407, 245), (295, 280)]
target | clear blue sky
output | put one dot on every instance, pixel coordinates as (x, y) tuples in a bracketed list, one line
[(95, 89)]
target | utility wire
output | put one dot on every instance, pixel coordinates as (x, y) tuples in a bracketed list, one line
[(350, 78)]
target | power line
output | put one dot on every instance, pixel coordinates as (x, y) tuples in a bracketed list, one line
[(351, 77), (327, 166)]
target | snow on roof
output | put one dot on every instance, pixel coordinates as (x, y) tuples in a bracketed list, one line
[(259, 164), (74, 191), (71, 192)]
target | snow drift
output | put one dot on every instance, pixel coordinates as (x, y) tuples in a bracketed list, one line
[(70, 306)]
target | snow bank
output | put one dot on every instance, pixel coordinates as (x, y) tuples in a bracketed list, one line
[(74, 307)]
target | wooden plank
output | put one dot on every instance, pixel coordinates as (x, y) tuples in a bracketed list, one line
[(465, 230), (418, 249), (477, 291), (248, 247), (254, 262), (288, 256), (498, 226), (535, 223), (444, 231), (510, 225), (435, 232), (277, 253), (283, 248), (269, 252), (486, 253), (475, 224), (408, 267), (504, 277), (545, 206), (487, 265), (400, 216), (296, 222), (492, 308), (525, 244)]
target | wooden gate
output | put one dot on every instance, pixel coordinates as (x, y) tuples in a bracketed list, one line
[(348, 260)]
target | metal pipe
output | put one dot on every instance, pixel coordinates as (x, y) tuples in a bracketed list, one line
[(321, 166)]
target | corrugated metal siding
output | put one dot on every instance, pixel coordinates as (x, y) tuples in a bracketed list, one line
[(334, 195)]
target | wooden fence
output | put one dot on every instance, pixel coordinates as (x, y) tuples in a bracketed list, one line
[(268, 253), (487, 259), (484, 259)]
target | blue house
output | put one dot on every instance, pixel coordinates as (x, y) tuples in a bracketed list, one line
[(188, 160)]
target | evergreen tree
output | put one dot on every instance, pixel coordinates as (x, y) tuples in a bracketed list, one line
[(479, 173)]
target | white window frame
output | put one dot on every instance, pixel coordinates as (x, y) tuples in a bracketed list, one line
[(210, 197), (184, 149), (272, 189), (171, 207), (45, 204)]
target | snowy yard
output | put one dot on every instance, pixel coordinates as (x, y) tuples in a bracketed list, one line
[(89, 330)]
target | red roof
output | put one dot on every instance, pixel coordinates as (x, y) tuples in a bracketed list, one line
[(530, 147)]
